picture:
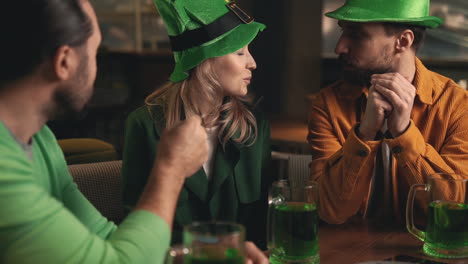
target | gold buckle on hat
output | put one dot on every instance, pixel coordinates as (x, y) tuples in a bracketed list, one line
[(240, 13)]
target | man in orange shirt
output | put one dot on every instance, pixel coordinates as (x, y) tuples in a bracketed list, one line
[(390, 122)]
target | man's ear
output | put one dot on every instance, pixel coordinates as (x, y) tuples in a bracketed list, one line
[(404, 40), (65, 62)]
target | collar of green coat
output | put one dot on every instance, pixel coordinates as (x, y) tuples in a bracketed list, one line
[(159, 121), (225, 161), (223, 167), (225, 157)]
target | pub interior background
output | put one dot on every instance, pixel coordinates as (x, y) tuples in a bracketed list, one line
[(294, 60)]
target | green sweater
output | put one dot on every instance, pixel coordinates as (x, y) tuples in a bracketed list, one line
[(44, 218), (237, 191)]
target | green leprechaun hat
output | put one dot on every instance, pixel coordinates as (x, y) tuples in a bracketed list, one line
[(412, 12), (202, 29)]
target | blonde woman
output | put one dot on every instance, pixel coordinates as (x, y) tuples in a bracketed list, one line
[(211, 79)]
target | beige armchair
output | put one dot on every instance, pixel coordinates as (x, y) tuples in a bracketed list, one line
[(101, 183)]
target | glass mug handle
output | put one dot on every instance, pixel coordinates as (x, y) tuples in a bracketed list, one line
[(177, 254), (409, 211)]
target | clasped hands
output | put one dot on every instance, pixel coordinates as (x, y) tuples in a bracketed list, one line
[(391, 97)]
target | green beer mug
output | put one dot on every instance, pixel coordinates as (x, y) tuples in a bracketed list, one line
[(446, 234), (293, 223), (209, 243)]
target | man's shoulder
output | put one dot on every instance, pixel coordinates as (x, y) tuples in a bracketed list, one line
[(441, 81), (45, 135), (444, 88), (46, 142), (433, 86), (452, 94)]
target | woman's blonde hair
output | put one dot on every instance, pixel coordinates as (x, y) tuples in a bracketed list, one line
[(202, 90)]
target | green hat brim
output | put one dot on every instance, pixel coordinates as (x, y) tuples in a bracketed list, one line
[(227, 43), (354, 14)]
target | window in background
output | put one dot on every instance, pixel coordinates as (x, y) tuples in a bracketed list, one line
[(448, 42), (131, 25)]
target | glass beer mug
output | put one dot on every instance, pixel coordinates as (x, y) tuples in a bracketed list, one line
[(293, 223), (446, 234), (209, 243)]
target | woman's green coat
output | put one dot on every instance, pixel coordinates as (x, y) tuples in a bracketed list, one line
[(237, 191)]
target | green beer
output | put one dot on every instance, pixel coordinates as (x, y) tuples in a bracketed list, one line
[(295, 232), (230, 256), (447, 227)]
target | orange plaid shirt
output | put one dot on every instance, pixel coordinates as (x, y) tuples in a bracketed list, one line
[(436, 141)]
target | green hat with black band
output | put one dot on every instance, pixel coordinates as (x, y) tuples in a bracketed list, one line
[(202, 29), (412, 12)]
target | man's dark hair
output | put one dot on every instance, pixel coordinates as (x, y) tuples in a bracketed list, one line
[(33, 30), (418, 31)]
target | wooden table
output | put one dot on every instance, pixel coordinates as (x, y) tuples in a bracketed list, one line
[(359, 242)]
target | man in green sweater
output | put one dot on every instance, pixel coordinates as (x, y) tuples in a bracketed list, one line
[(48, 52)]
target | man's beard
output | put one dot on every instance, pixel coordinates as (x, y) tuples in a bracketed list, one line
[(66, 106), (362, 75), (71, 98)]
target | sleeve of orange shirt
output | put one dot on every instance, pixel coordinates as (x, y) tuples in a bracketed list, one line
[(342, 169), (416, 159)]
